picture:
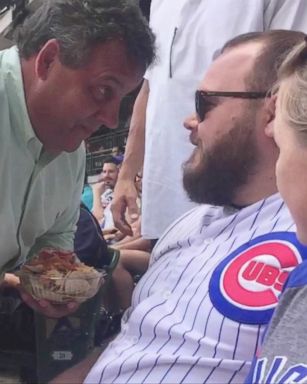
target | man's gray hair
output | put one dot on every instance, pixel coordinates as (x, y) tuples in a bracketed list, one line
[(78, 25)]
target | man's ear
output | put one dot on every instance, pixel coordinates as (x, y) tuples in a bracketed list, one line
[(270, 110), (46, 58)]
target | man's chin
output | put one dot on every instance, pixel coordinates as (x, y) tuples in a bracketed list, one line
[(204, 188), (72, 147), (190, 164), (191, 183), (66, 148)]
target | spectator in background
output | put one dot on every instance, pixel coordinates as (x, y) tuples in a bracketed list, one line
[(283, 357), (66, 77), (118, 154), (120, 238), (108, 174), (189, 33), (103, 193), (99, 148)]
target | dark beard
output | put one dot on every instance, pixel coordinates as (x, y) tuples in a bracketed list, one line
[(222, 170)]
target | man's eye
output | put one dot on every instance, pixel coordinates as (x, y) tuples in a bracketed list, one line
[(102, 93), (207, 107)]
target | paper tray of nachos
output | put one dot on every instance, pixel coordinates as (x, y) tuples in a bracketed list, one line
[(58, 276)]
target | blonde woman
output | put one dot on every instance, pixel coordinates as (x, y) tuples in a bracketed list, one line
[(283, 356)]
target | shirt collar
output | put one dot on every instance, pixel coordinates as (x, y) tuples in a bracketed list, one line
[(12, 75)]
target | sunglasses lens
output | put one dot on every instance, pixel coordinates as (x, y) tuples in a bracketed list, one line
[(199, 105)]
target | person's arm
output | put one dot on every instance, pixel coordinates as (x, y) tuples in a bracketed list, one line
[(59, 236), (125, 194), (134, 243), (286, 14)]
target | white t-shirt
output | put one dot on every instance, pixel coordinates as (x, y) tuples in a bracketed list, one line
[(189, 32), (106, 200), (107, 197)]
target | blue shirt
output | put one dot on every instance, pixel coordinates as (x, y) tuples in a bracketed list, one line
[(87, 197)]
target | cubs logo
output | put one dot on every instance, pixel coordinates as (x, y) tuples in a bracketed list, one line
[(246, 285)]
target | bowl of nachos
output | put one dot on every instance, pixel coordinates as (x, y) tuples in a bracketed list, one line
[(59, 277)]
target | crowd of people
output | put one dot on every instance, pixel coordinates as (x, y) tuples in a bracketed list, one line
[(207, 207)]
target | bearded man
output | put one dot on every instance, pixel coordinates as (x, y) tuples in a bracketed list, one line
[(215, 275)]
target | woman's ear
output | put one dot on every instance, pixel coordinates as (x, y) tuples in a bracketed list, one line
[(269, 129), (46, 58), (270, 115)]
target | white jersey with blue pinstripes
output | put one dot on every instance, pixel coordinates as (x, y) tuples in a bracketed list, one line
[(176, 330)]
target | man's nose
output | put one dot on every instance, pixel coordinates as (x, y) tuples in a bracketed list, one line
[(191, 122), (108, 115)]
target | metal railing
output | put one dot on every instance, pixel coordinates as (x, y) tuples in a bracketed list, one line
[(94, 160)]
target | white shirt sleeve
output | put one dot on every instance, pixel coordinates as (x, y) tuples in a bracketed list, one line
[(286, 14)]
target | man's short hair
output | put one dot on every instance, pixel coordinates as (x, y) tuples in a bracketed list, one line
[(276, 46), (109, 160), (78, 25)]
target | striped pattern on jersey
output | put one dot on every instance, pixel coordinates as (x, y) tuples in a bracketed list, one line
[(173, 333)]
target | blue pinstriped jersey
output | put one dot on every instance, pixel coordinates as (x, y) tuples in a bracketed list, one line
[(199, 312)]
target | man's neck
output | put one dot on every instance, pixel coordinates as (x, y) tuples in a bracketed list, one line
[(255, 190)]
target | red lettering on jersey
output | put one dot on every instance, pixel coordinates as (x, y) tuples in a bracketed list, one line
[(254, 266), (253, 270), (281, 281), (268, 276)]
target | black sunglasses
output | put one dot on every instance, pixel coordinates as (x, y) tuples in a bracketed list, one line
[(202, 105)]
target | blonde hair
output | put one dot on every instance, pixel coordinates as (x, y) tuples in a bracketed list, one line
[(292, 89)]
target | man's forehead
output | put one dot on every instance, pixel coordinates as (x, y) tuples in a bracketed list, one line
[(109, 165), (230, 69)]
